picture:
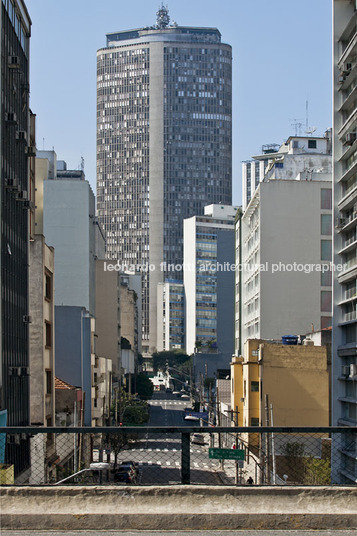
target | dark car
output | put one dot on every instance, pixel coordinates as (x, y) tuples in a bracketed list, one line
[(125, 475), (129, 464), (168, 390)]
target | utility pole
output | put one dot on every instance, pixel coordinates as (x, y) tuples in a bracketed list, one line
[(267, 449), (236, 412)]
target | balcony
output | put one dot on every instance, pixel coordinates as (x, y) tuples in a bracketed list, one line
[(349, 317), (349, 223), (349, 245), (349, 197), (348, 124), (348, 51)]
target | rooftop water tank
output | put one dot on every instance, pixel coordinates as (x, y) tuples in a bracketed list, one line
[(290, 340)]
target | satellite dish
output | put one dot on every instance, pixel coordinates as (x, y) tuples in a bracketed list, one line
[(310, 130)]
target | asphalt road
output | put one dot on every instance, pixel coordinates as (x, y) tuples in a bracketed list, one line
[(159, 456), (186, 533)]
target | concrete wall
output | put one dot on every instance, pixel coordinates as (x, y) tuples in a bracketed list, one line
[(296, 380), (108, 315), (69, 227), (180, 508), (225, 292), (128, 315), (41, 310), (189, 279), (290, 301)]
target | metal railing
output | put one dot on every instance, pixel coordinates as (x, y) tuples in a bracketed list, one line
[(146, 455)]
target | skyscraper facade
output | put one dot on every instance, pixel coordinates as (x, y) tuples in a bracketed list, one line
[(344, 356), (164, 120), (15, 167)]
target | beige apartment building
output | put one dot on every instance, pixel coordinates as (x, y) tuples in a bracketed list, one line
[(294, 378)]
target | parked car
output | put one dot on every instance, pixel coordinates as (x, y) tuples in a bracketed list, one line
[(130, 464), (168, 390), (177, 393), (125, 475), (191, 418), (198, 439), (185, 397)]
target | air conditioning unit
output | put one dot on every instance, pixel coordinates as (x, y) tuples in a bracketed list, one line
[(353, 371), (25, 371), (350, 138), (340, 222), (347, 67), (14, 439), (341, 79), (21, 135), (22, 196), (345, 370), (29, 204), (14, 62), (30, 150), (11, 117), (12, 184), (27, 319), (14, 371)]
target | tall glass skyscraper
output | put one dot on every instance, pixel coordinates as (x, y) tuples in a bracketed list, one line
[(164, 133)]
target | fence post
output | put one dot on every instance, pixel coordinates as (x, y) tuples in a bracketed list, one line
[(185, 458)]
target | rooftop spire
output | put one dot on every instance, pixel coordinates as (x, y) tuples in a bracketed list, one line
[(162, 17)]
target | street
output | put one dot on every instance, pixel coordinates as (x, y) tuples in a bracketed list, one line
[(159, 456)]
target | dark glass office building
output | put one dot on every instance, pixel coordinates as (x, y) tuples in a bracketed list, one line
[(164, 132), (14, 356)]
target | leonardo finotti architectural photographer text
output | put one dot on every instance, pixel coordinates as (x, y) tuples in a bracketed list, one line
[(279, 267)]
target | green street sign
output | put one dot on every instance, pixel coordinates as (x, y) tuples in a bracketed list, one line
[(227, 454)]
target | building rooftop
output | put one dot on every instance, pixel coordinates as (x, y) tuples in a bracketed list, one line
[(61, 384)]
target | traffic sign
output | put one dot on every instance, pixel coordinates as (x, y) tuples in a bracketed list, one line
[(226, 454)]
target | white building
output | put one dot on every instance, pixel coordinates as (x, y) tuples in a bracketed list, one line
[(170, 316), (209, 280), (283, 238), (344, 348)]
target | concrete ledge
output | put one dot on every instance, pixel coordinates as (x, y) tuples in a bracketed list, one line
[(178, 508)]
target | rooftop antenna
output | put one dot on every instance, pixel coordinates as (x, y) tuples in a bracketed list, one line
[(308, 130), (162, 17), (82, 164), (297, 124)]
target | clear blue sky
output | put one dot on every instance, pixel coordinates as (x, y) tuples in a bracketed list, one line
[(281, 58)]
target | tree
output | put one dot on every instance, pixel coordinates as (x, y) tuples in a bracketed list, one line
[(144, 386), (174, 358), (317, 472)]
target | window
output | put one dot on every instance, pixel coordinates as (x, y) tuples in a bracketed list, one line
[(326, 198), (48, 334), (326, 322), (326, 224), (254, 421), (326, 250), (311, 144), (48, 382), (48, 286), (326, 301), (254, 387), (326, 279)]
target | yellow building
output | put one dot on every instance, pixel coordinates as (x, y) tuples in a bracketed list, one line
[(295, 379)]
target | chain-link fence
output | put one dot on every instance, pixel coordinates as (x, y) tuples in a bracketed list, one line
[(182, 455)]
